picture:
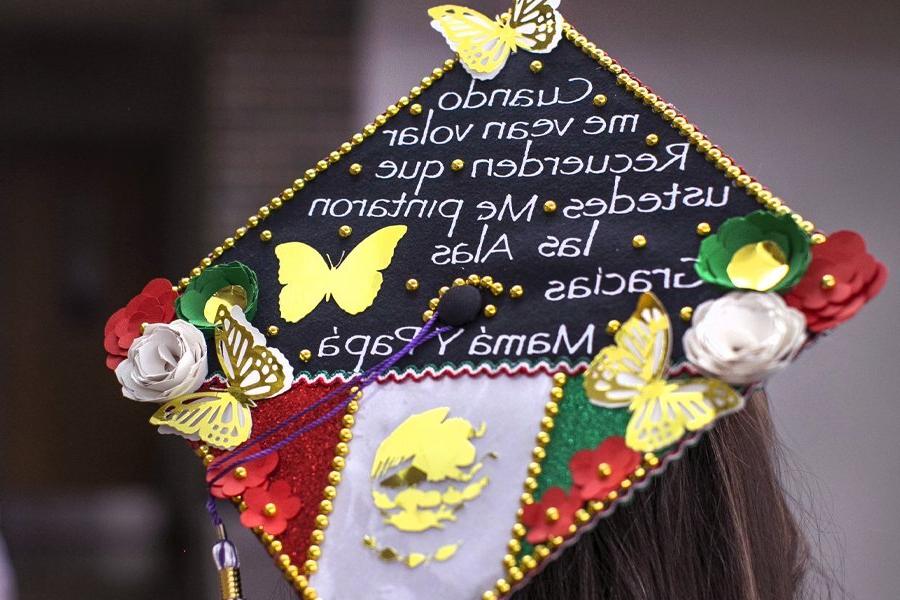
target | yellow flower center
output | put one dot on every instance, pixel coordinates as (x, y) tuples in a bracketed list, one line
[(552, 514), (828, 282), (604, 470), (759, 266), (270, 510), (240, 473), (228, 296)]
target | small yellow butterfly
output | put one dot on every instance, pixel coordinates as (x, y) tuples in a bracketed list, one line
[(253, 371), (484, 45), (632, 373), (354, 282)]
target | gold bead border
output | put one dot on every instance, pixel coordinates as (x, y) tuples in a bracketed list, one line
[(517, 568), (679, 122), (321, 166), (298, 576), (486, 282)]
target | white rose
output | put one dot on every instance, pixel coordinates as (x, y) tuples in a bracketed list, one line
[(167, 361), (744, 338)]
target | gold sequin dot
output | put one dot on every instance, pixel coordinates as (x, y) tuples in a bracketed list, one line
[(639, 241), (490, 310), (600, 100), (686, 314), (458, 164), (550, 207), (356, 169), (613, 326), (516, 291), (818, 238), (828, 282), (652, 140), (704, 228), (415, 109), (305, 355), (265, 235), (412, 285), (427, 316), (345, 231), (272, 330), (536, 66)]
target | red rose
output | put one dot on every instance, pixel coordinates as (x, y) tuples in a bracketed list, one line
[(250, 475), (841, 278), (551, 517), (156, 304), (598, 472), (270, 508)]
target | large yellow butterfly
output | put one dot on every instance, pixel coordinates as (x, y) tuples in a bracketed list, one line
[(354, 282), (484, 45), (221, 418), (632, 373)]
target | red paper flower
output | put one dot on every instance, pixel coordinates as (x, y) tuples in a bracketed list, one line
[(270, 508), (598, 472), (250, 475), (841, 278), (551, 517), (156, 304)]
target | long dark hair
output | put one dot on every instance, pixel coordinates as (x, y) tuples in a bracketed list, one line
[(716, 526)]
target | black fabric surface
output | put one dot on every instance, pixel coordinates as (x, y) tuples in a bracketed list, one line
[(672, 241)]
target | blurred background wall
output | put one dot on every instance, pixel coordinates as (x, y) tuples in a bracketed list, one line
[(135, 133)]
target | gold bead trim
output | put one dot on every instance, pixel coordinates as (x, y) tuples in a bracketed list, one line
[(517, 568), (299, 576), (288, 194), (677, 120), (486, 282)]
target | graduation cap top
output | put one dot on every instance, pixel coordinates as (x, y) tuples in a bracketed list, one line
[(483, 321)]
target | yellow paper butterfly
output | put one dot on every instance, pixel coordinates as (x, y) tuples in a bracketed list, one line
[(221, 418), (354, 282), (632, 373), (484, 45)]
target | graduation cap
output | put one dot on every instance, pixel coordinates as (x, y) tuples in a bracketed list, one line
[(482, 322)]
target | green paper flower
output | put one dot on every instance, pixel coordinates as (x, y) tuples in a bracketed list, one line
[(761, 251), (229, 284)]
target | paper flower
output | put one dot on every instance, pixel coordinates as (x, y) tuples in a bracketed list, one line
[(238, 480), (742, 338), (168, 361), (761, 252), (842, 277), (231, 284), (155, 304), (270, 508), (551, 517), (598, 472)]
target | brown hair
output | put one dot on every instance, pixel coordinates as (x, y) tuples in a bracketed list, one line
[(716, 526)]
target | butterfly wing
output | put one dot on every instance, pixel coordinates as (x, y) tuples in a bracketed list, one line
[(689, 405), (538, 25), (355, 283), (305, 277), (220, 421), (639, 356), (480, 41), (259, 372)]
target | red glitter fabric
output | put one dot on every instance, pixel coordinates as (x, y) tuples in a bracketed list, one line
[(306, 462)]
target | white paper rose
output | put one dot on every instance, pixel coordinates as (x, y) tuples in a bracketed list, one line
[(744, 338), (167, 361)]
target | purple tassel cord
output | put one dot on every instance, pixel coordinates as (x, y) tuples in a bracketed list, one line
[(345, 393)]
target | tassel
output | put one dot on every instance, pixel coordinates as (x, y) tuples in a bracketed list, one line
[(227, 562)]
